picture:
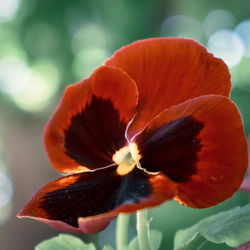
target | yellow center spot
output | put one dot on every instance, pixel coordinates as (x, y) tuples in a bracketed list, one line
[(126, 158)]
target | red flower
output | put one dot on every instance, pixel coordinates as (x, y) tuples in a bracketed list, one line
[(153, 124)]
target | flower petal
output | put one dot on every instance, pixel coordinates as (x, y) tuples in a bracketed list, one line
[(169, 71), (89, 124), (200, 145), (86, 202)]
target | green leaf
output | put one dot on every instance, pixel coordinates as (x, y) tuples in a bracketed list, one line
[(64, 242), (107, 248), (230, 227), (155, 239)]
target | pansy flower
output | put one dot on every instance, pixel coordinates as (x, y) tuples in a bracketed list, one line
[(153, 124)]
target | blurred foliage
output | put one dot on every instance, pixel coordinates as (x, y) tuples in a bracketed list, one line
[(171, 216), (47, 45), (231, 227), (50, 44), (60, 43), (64, 242)]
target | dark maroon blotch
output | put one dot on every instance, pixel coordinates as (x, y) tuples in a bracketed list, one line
[(95, 134), (94, 193), (172, 148)]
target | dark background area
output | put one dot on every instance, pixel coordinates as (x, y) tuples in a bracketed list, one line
[(46, 45)]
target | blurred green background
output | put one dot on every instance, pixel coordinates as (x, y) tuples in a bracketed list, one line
[(45, 45)]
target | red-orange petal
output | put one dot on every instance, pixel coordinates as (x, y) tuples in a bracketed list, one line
[(86, 202), (89, 124), (199, 144), (169, 71)]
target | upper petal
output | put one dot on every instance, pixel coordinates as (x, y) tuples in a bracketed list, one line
[(168, 71), (86, 202), (89, 124), (199, 144)]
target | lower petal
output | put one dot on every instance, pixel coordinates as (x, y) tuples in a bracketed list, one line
[(199, 144), (86, 202)]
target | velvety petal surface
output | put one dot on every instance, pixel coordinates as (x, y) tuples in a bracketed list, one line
[(89, 124), (86, 202), (169, 71), (201, 146)]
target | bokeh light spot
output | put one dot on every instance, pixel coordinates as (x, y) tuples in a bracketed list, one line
[(11, 48), (43, 83), (14, 75), (47, 68), (87, 60), (241, 74), (227, 45), (88, 36), (8, 9), (182, 26), (218, 20), (6, 189), (243, 30), (6, 193)]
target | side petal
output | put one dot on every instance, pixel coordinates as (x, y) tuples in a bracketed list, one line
[(86, 202), (200, 145), (169, 71), (89, 124)]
